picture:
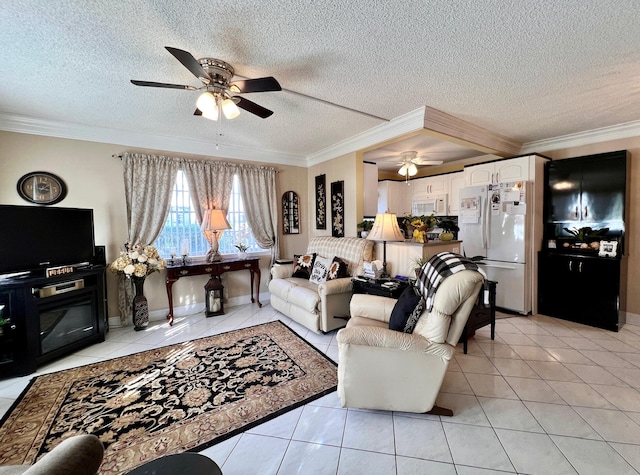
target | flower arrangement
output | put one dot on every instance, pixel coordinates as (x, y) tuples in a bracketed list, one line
[(241, 247), (138, 261), (422, 223), (417, 226)]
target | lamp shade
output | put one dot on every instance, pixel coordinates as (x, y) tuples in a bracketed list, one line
[(408, 168), (230, 109), (385, 228), (215, 220), (208, 106)]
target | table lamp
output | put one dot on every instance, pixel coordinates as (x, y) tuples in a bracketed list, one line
[(385, 228), (213, 223)]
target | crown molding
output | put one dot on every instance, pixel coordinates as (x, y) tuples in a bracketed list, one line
[(603, 134), (410, 122), (463, 132), (127, 138)]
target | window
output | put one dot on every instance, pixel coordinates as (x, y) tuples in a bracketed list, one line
[(181, 225)]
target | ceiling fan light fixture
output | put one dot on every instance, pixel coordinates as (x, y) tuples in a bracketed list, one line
[(230, 109), (211, 115), (207, 104), (408, 168)]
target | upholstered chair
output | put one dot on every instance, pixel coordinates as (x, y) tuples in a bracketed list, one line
[(392, 370), (77, 455)]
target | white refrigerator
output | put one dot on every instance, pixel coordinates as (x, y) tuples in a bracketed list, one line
[(495, 225)]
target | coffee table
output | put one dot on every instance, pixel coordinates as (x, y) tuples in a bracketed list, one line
[(187, 462)]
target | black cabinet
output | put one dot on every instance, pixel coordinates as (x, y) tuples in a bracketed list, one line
[(574, 282), (587, 189), (583, 289), (50, 317)]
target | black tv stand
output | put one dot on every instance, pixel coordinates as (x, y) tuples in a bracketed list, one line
[(50, 317)]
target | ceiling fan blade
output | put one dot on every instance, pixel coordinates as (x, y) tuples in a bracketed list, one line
[(189, 62), (197, 112), (256, 85), (252, 107), (420, 161), (162, 84)]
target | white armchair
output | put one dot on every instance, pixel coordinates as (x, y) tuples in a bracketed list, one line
[(390, 370)]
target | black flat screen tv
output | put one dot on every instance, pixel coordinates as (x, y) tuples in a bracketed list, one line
[(33, 237)]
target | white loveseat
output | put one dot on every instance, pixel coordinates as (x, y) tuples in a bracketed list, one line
[(320, 307)]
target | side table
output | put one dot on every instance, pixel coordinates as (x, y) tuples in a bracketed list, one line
[(363, 285), (481, 315), (186, 462)]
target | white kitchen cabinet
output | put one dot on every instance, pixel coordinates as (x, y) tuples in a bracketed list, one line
[(370, 194), (456, 182), (513, 169), (394, 197), (429, 186)]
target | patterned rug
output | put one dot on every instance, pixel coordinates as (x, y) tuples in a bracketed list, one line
[(178, 398)]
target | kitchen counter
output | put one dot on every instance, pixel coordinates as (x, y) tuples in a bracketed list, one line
[(432, 242), (401, 256)]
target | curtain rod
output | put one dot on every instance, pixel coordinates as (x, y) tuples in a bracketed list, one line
[(119, 156)]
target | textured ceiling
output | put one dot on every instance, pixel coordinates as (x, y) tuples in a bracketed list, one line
[(526, 69)]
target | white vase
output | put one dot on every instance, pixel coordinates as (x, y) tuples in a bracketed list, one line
[(242, 255)]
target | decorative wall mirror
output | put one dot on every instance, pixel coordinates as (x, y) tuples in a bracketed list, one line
[(290, 213)]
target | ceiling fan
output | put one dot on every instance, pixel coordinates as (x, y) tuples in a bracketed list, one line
[(217, 97), (410, 160)]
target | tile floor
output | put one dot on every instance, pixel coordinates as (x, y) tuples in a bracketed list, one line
[(547, 396)]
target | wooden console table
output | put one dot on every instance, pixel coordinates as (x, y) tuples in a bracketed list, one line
[(214, 269)]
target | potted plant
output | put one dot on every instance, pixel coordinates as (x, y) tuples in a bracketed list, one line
[(3, 322), (366, 225), (448, 227), (418, 262), (243, 250), (582, 234)]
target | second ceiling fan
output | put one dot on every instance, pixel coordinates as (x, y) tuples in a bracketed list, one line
[(217, 97), (410, 162)]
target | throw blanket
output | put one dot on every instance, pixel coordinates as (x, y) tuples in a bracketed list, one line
[(436, 269)]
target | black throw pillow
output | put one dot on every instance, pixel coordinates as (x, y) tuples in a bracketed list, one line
[(403, 308), (303, 265)]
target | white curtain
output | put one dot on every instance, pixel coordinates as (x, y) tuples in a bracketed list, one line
[(148, 184), (258, 190)]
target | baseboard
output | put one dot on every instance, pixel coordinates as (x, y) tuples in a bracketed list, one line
[(633, 318), (186, 310)]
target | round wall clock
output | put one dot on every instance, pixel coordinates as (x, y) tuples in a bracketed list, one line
[(42, 188)]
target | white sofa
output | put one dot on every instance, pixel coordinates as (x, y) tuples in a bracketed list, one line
[(320, 307)]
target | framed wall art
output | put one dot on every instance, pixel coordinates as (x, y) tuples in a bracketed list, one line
[(608, 249), (337, 209), (321, 202), (290, 213)]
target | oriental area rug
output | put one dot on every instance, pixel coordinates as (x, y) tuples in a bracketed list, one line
[(183, 397)]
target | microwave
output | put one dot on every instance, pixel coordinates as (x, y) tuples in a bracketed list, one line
[(436, 205)]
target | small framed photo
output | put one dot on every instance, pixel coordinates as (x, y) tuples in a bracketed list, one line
[(608, 249)]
